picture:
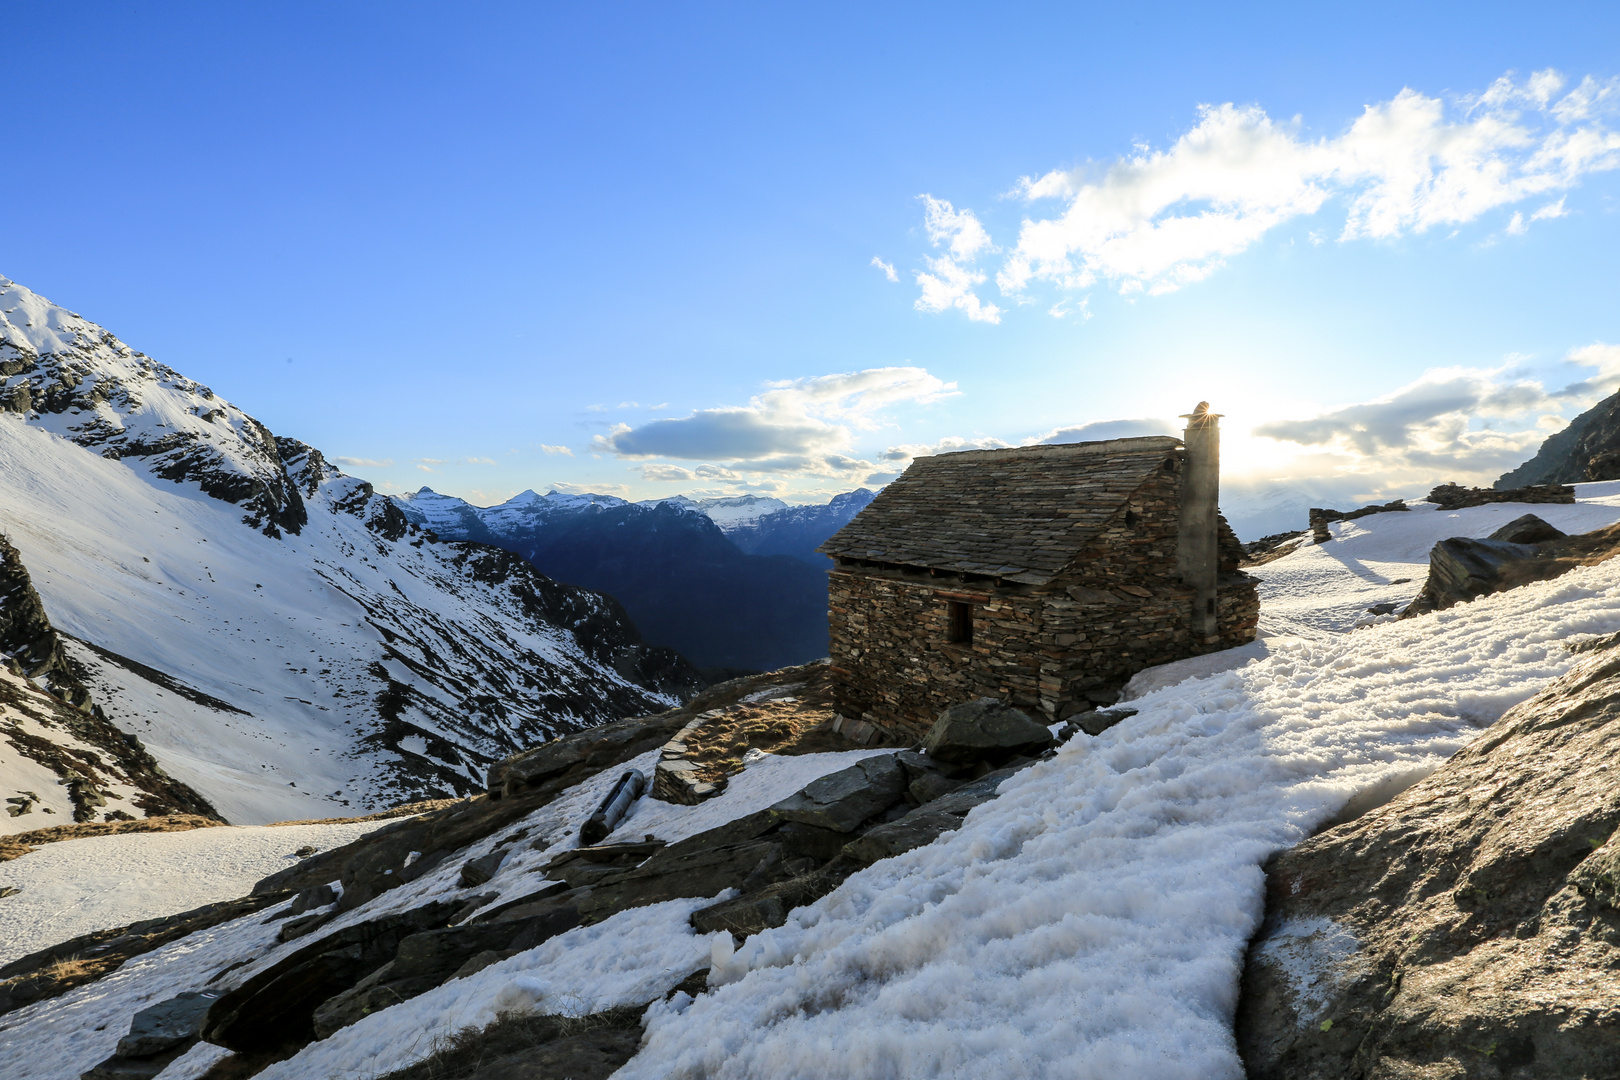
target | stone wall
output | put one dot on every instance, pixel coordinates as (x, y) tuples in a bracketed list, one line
[(1053, 650)]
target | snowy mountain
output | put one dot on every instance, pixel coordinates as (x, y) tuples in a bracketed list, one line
[(281, 638), (730, 583), (523, 514), (798, 530)]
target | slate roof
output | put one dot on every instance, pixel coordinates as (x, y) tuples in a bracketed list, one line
[(1019, 514)]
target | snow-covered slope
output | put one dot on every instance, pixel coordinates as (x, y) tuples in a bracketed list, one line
[(279, 636), (1384, 558)]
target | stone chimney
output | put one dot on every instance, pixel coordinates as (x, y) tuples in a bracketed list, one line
[(1198, 559)]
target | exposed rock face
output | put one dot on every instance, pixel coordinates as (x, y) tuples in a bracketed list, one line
[(1585, 450), (1462, 569), (1467, 929)]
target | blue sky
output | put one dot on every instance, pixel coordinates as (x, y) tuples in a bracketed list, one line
[(643, 249)]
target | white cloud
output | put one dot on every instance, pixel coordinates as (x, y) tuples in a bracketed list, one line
[(1470, 424), (950, 444), (959, 230), (563, 450), (950, 279), (424, 468), (480, 461), (1550, 211), (1101, 430), (799, 425), (1158, 220), (365, 462), (663, 473), (951, 286), (619, 490), (887, 268)]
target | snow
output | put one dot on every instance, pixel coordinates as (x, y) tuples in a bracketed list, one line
[(1092, 920), (730, 513), (1324, 589), (1315, 958), (74, 887)]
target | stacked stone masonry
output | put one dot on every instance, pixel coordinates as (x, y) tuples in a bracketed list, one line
[(1089, 592)]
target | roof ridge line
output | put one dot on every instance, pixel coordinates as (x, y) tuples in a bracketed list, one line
[(1142, 444)]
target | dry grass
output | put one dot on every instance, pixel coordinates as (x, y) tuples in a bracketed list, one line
[(403, 810), (796, 723), (18, 844)]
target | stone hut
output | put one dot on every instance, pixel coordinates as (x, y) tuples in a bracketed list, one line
[(1045, 576)]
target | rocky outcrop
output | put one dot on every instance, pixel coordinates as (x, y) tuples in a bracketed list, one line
[(1467, 929), (26, 634), (1588, 449), (98, 392), (1463, 569), (1457, 497)]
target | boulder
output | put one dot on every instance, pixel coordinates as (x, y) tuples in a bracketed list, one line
[(1527, 529), (926, 778), (477, 871), (167, 1024), (1094, 722), (1464, 929), (582, 753), (984, 729), (1462, 569), (842, 800), (309, 899), (896, 837), (770, 906), (674, 873)]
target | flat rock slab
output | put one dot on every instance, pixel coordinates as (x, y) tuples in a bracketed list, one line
[(167, 1024), (897, 837), (842, 800), (984, 729)]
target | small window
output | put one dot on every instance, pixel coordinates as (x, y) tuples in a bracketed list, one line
[(959, 623)]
